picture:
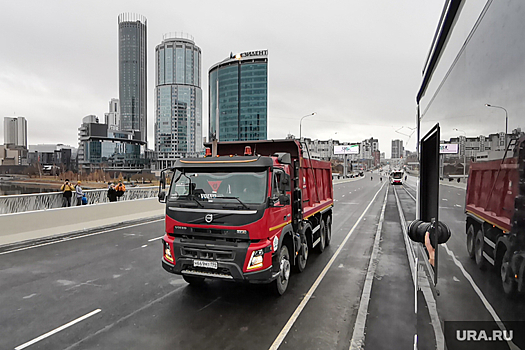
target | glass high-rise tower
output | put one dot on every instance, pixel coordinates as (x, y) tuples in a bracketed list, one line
[(178, 99), (132, 73), (238, 105)]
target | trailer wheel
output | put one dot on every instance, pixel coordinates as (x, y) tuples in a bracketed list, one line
[(328, 227), (470, 241), (281, 282), (478, 250), (508, 280), (322, 238), (193, 280)]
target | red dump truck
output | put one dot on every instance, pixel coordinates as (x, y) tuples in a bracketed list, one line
[(251, 213), (495, 209)]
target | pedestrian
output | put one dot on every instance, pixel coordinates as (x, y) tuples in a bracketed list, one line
[(120, 188), (112, 193), (84, 199), (67, 192), (79, 193), (405, 177)]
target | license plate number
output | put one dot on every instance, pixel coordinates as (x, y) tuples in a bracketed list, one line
[(206, 264)]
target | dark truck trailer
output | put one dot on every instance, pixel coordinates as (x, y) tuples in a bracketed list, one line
[(495, 209), (249, 214)]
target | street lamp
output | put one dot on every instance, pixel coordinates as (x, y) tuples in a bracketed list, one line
[(506, 121), (300, 124), (464, 152)]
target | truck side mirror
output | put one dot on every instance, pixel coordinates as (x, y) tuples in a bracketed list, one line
[(285, 182), (162, 197), (284, 199), (417, 230), (162, 187)]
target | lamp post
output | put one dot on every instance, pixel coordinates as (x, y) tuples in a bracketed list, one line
[(506, 120), (464, 152), (301, 124)]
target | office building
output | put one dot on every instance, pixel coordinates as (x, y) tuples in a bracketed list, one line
[(132, 74), (178, 99), (397, 149), (110, 150), (15, 132), (112, 118), (238, 97)]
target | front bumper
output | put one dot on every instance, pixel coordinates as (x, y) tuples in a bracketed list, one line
[(230, 261)]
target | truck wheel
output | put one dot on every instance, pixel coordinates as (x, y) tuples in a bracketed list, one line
[(193, 280), (507, 276), (281, 282), (322, 238), (328, 227), (478, 250), (470, 241), (302, 257)]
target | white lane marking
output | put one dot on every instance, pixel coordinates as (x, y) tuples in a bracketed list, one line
[(421, 283), (480, 294), (77, 237), (56, 330), (358, 336), (144, 246), (154, 239), (29, 296), (280, 338)]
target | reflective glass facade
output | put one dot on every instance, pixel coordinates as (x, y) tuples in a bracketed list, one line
[(132, 73), (242, 85), (178, 100)]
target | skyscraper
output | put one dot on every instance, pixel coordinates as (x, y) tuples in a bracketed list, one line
[(132, 73), (112, 118), (15, 132), (238, 95), (178, 99), (397, 149)]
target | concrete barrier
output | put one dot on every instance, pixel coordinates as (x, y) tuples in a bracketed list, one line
[(30, 225)]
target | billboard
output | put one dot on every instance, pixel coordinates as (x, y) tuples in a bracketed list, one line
[(347, 149), (448, 148)]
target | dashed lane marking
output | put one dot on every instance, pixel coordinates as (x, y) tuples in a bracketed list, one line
[(56, 330)]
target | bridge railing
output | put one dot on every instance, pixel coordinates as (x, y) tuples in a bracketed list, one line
[(41, 201)]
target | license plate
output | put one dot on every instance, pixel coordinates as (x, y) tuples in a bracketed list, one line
[(206, 264)]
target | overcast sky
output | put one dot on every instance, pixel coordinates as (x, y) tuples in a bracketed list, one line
[(357, 64)]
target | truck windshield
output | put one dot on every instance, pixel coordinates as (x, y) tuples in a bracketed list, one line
[(248, 187)]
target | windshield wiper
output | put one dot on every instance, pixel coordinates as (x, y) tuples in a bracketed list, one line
[(196, 201), (236, 198)]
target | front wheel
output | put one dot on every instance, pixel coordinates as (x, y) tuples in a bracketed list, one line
[(281, 282), (328, 228), (470, 241), (478, 250), (508, 280)]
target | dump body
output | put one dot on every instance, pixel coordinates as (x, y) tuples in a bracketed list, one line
[(229, 216), (495, 210)]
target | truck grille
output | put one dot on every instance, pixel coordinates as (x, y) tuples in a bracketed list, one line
[(207, 254)]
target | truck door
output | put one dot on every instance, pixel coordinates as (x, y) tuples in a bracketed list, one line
[(281, 212)]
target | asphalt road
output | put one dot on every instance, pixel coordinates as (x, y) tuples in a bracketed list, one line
[(109, 291), (466, 293)]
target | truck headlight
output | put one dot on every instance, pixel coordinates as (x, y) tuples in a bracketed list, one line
[(167, 252), (256, 260)]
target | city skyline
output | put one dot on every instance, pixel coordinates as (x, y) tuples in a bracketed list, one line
[(358, 67)]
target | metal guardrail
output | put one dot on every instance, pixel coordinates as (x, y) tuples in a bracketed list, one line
[(41, 201)]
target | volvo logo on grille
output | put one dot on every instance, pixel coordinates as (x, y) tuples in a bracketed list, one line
[(208, 218)]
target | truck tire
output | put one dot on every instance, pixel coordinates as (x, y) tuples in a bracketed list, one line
[(478, 250), (507, 276), (322, 238), (328, 227), (280, 284), (193, 280), (302, 257), (470, 241)]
